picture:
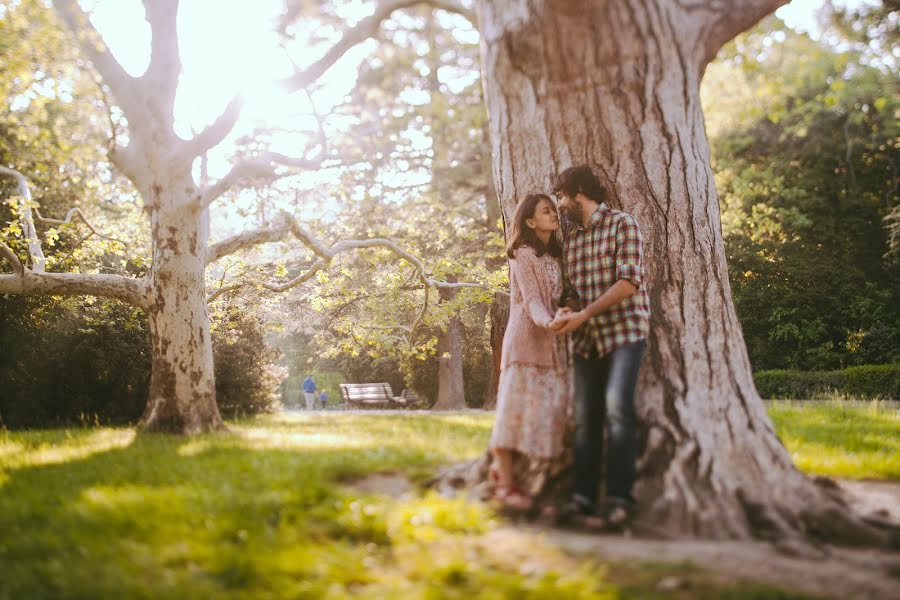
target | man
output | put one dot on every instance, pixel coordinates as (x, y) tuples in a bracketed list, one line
[(603, 266), (309, 392)]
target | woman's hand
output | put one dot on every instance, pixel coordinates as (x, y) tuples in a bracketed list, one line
[(567, 321)]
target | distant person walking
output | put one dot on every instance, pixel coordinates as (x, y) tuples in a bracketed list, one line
[(309, 392), (323, 398)]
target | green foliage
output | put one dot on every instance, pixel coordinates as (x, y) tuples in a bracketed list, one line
[(804, 143), (860, 440), (75, 359), (864, 381), (88, 360), (247, 380), (873, 381), (416, 171)]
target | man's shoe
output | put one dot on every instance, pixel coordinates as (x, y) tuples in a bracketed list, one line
[(574, 508), (614, 515)]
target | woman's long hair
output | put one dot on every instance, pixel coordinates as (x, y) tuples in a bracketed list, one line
[(522, 235)]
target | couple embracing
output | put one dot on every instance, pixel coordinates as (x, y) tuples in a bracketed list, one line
[(584, 278)]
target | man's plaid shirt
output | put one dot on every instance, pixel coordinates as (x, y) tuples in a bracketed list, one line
[(597, 256)]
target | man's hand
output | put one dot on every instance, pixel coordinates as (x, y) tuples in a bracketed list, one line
[(559, 318), (567, 322)]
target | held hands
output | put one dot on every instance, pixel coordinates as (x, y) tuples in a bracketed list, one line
[(565, 321)]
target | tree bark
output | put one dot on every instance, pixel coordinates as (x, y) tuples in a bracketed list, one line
[(615, 85), (499, 317), (451, 388), (182, 385)]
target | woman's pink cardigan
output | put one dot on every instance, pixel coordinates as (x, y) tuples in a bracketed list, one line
[(532, 306)]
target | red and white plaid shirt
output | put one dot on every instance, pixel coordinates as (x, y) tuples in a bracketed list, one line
[(607, 250)]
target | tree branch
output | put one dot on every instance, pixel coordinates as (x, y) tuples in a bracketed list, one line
[(130, 290), (247, 239), (122, 85), (363, 30), (7, 253), (68, 220), (213, 135), (161, 78), (324, 255), (259, 168), (728, 18), (35, 252)]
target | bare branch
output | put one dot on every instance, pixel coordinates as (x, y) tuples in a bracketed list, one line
[(130, 290), (726, 19), (122, 85), (35, 252), (222, 290), (215, 133), (365, 29), (68, 220), (7, 253), (259, 168), (286, 222), (247, 239)]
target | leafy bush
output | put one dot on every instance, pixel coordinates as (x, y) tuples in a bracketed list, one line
[(873, 381), (73, 360), (247, 379), (866, 381)]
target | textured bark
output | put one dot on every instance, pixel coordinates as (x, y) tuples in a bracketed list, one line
[(451, 388), (182, 386), (616, 85), (499, 317)]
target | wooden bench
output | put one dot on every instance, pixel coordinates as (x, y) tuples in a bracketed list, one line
[(376, 395)]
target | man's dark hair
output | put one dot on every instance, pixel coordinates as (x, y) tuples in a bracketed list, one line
[(580, 179)]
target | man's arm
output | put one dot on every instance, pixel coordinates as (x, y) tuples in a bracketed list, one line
[(629, 276)]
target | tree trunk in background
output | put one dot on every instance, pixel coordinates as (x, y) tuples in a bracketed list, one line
[(451, 391), (615, 85), (182, 386), (499, 317)]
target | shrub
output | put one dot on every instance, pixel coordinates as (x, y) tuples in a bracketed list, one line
[(85, 359), (866, 381), (72, 360), (870, 381), (247, 378)]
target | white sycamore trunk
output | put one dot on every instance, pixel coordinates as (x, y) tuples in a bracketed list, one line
[(182, 386)]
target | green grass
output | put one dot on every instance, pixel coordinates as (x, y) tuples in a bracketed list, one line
[(839, 438), (265, 512)]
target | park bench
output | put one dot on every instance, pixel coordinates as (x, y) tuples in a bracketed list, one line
[(376, 395)]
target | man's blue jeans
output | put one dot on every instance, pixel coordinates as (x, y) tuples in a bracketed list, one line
[(604, 399)]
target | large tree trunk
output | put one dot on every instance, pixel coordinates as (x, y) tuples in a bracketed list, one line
[(615, 85), (182, 387)]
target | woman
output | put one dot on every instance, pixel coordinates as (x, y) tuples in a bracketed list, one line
[(534, 392)]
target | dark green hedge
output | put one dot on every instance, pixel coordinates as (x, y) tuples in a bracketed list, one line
[(864, 381), (75, 360)]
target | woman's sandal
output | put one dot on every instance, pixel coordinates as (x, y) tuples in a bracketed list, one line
[(512, 498)]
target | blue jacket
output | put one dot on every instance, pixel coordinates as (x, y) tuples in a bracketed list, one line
[(309, 386)]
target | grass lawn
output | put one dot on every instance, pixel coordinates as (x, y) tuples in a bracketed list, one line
[(859, 440), (265, 512)]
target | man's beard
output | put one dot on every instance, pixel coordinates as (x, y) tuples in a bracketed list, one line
[(573, 212)]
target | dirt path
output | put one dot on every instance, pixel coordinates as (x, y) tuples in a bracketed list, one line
[(839, 573)]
